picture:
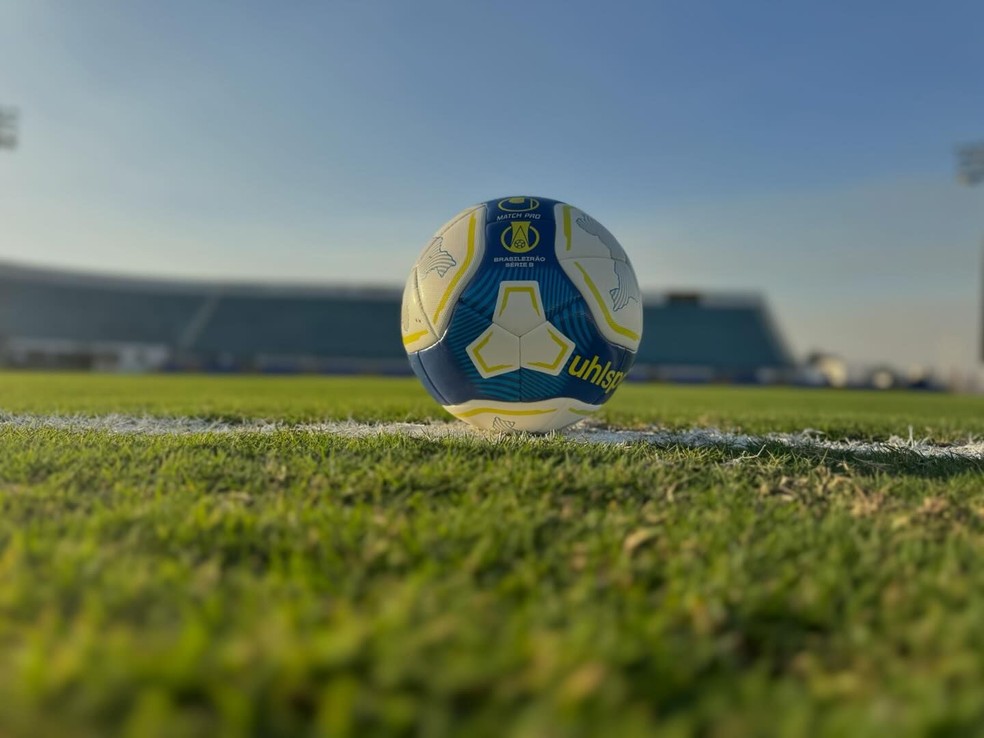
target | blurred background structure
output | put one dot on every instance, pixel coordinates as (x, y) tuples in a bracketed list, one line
[(970, 171), (970, 163), (8, 128), (70, 320)]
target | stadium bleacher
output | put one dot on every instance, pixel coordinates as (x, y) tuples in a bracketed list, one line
[(42, 308), (712, 337), (59, 318), (330, 325)]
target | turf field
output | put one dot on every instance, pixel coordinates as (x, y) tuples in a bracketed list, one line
[(289, 581)]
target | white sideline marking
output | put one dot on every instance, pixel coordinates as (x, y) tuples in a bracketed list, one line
[(695, 438)]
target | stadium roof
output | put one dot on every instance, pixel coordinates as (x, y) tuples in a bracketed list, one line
[(121, 282)]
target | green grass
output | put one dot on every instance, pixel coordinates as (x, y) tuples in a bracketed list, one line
[(299, 584), (856, 414)]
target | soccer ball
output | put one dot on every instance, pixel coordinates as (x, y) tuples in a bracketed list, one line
[(522, 314)]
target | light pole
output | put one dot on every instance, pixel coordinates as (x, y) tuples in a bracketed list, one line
[(970, 171), (970, 163), (8, 128), (8, 140)]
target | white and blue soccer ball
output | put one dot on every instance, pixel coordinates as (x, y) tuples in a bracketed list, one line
[(522, 314)]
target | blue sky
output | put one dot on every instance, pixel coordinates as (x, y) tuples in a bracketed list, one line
[(802, 151)]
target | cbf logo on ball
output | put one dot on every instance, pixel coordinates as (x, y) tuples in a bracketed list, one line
[(520, 237), (522, 314)]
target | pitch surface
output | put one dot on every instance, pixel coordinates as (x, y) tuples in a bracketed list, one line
[(266, 572)]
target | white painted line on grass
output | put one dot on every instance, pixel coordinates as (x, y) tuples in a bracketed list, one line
[(972, 449)]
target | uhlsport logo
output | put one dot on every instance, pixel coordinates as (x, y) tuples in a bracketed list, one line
[(520, 237), (593, 371), (519, 204)]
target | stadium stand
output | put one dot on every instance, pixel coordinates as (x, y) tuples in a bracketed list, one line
[(693, 337), (53, 318)]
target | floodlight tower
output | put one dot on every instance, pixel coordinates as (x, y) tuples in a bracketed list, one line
[(8, 128), (970, 171), (8, 140), (970, 163)]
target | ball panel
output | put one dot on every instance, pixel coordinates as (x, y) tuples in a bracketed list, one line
[(447, 264), (545, 349), (531, 417), (414, 326), (518, 306), (494, 352), (580, 236), (417, 364), (451, 367), (612, 294)]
